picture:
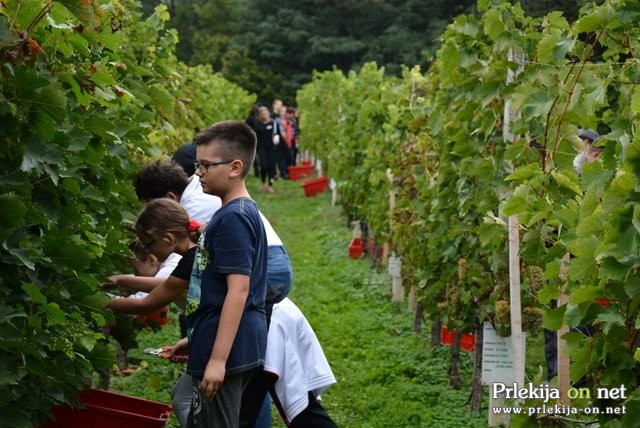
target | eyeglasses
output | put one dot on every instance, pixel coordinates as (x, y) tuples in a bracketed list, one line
[(204, 167), (146, 247)]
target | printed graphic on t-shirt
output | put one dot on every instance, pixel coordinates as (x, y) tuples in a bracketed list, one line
[(199, 265)]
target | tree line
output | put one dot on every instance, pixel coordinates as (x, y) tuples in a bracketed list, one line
[(271, 48)]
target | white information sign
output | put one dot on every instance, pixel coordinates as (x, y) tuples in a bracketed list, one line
[(395, 266), (497, 358)]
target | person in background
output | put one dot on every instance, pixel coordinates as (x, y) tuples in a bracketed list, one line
[(185, 156), (287, 133), (266, 151), (253, 120), (293, 120), (276, 108), (588, 153), (282, 150)]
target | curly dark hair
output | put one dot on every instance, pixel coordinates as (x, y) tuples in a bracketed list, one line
[(159, 178)]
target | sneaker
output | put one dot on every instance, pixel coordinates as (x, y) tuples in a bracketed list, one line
[(271, 190), (263, 186)]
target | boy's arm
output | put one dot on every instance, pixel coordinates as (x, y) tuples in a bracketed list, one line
[(169, 290), (131, 282), (232, 310)]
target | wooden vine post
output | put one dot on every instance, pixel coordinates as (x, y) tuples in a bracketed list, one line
[(412, 305), (333, 186), (562, 358), (397, 290), (517, 346), (514, 244)]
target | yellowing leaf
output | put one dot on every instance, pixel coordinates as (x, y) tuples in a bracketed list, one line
[(596, 20), (635, 100), (566, 181)]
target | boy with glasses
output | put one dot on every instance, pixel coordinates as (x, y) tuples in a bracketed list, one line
[(226, 322)]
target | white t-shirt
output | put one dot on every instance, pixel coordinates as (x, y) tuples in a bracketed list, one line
[(295, 356), (272, 236), (579, 161)]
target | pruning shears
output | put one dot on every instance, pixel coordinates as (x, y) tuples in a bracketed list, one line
[(165, 352), (157, 351)]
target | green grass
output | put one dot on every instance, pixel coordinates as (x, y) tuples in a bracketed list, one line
[(387, 377)]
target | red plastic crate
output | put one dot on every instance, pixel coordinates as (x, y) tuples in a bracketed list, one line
[(160, 317), (298, 172), (355, 248), (315, 185), (467, 340), (104, 409), (446, 336)]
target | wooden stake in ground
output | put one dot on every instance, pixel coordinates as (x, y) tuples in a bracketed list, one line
[(412, 299), (395, 272), (392, 205), (563, 359), (333, 186), (397, 291), (475, 400), (516, 311), (514, 253), (514, 243)]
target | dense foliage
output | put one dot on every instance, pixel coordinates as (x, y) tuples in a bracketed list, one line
[(87, 92), (459, 177)]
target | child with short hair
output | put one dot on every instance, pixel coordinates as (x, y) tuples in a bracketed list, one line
[(225, 311)]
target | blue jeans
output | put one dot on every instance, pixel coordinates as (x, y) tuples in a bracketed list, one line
[(279, 274), (264, 417)]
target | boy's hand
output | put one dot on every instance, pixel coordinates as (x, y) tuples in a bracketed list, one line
[(181, 347), (212, 379)]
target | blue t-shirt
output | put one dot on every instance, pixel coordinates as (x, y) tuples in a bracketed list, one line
[(234, 242)]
